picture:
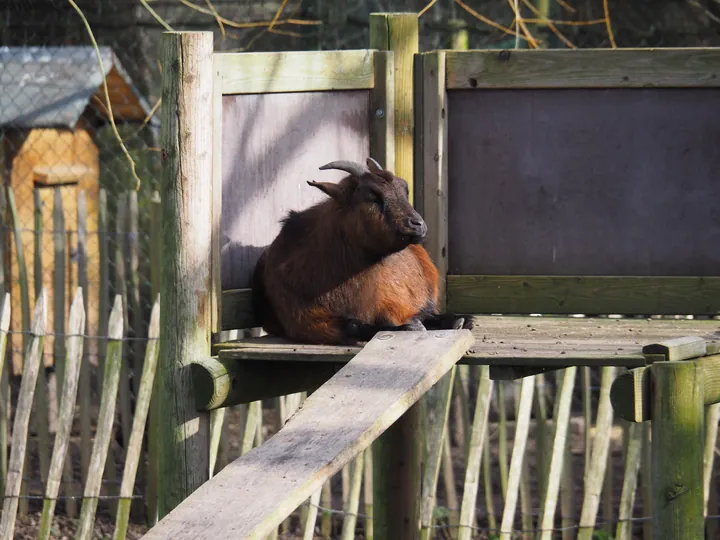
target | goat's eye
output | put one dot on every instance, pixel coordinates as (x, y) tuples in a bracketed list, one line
[(374, 197)]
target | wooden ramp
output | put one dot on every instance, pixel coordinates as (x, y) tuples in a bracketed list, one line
[(255, 493)]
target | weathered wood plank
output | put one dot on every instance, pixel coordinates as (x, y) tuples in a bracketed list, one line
[(597, 68), (236, 308), (631, 394), (295, 71), (398, 32), (477, 445), (138, 428), (680, 348), (31, 367), (677, 450), (185, 317), (74, 348), (335, 423), (645, 295), (228, 382), (596, 469), (432, 160), (106, 415)]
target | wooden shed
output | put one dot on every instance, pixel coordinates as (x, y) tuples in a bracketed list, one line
[(52, 103)]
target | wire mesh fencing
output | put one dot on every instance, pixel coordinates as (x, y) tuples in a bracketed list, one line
[(81, 164)]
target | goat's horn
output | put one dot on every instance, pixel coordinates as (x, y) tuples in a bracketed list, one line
[(356, 169), (372, 164)]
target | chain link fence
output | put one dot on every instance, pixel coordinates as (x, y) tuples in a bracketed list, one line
[(80, 204)]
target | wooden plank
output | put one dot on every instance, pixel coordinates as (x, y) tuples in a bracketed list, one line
[(518, 456), (74, 347), (631, 392), (681, 348), (549, 496), (597, 68), (383, 112), (630, 478), (33, 363), (237, 309), (432, 160), (644, 295), (398, 32), (677, 450), (477, 445), (216, 287), (508, 181), (84, 386), (106, 415), (294, 71), (335, 424), (264, 171), (138, 428), (228, 382), (596, 469), (185, 318)]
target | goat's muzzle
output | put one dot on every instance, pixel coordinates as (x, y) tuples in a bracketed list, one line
[(414, 229)]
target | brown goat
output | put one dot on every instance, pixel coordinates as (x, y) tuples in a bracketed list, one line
[(351, 265)]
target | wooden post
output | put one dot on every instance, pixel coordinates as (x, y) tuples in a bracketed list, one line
[(677, 450), (398, 32), (186, 203), (397, 453)]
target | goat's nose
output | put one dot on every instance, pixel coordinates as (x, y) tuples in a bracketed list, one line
[(415, 222)]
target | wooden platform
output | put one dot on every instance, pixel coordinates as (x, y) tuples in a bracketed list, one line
[(514, 341), (254, 493)]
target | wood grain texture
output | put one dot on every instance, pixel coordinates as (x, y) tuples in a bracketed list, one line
[(432, 160), (478, 442), (382, 111), (677, 450), (138, 428), (550, 182), (216, 290), (74, 347), (398, 32), (106, 415), (633, 449), (514, 341), (596, 468), (272, 145), (679, 348), (185, 318), (18, 446), (593, 295), (294, 71), (549, 495), (252, 495), (597, 68), (631, 392), (237, 311), (227, 382)]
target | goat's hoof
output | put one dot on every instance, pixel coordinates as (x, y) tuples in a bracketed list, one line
[(464, 323), (414, 326), (459, 323)]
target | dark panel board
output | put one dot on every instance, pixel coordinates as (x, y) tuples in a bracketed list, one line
[(584, 182), (272, 144), (594, 295)]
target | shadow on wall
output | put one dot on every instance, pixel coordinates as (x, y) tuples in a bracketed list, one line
[(272, 144)]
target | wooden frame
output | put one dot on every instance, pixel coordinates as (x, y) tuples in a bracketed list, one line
[(304, 71), (439, 72)]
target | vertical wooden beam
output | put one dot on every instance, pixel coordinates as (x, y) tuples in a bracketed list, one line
[(396, 453), (186, 277), (677, 451), (398, 32), (431, 164)]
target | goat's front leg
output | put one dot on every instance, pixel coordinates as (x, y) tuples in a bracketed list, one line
[(361, 331), (447, 321)]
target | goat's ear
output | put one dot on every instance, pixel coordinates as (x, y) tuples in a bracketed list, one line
[(330, 189)]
